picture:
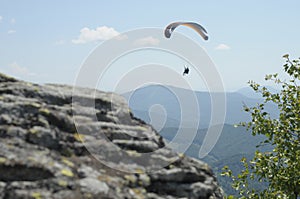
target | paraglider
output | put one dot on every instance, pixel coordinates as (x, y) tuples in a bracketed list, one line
[(197, 27), (186, 70)]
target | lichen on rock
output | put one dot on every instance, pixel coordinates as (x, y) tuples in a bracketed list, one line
[(52, 143)]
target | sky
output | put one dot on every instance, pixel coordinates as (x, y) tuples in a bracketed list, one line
[(48, 41)]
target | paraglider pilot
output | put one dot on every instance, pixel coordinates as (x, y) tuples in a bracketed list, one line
[(186, 70)]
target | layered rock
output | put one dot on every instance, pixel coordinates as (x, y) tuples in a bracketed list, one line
[(61, 142)]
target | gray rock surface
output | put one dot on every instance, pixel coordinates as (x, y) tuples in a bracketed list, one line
[(60, 142)]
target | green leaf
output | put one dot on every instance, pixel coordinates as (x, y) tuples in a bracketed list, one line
[(279, 166)]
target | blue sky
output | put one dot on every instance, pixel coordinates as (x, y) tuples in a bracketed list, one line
[(247, 39)]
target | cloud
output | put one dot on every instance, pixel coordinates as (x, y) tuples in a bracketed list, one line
[(147, 41), (20, 70), (90, 35), (222, 47), (1, 18), (12, 21), (11, 32), (121, 37)]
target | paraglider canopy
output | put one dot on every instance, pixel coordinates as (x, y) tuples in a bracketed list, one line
[(197, 27)]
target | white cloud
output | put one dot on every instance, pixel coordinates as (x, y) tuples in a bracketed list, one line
[(222, 47), (20, 70), (147, 41), (1, 18), (12, 21), (121, 37), (11, 32), (90, 35)]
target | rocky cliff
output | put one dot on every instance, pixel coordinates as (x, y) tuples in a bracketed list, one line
[(57, 143)]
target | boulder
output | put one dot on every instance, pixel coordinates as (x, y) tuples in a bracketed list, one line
[(57, 141)]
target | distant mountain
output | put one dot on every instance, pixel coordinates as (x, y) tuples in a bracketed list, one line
[(233, 144), (232, 141), (170, 98), (250, 93)]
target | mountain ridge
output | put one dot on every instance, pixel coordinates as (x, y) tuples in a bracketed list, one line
[(57, 143), (141, 100)]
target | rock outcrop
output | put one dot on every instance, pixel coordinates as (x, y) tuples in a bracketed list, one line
[(57, 143)]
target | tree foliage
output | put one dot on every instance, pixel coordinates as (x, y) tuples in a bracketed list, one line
[(279, 168)]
